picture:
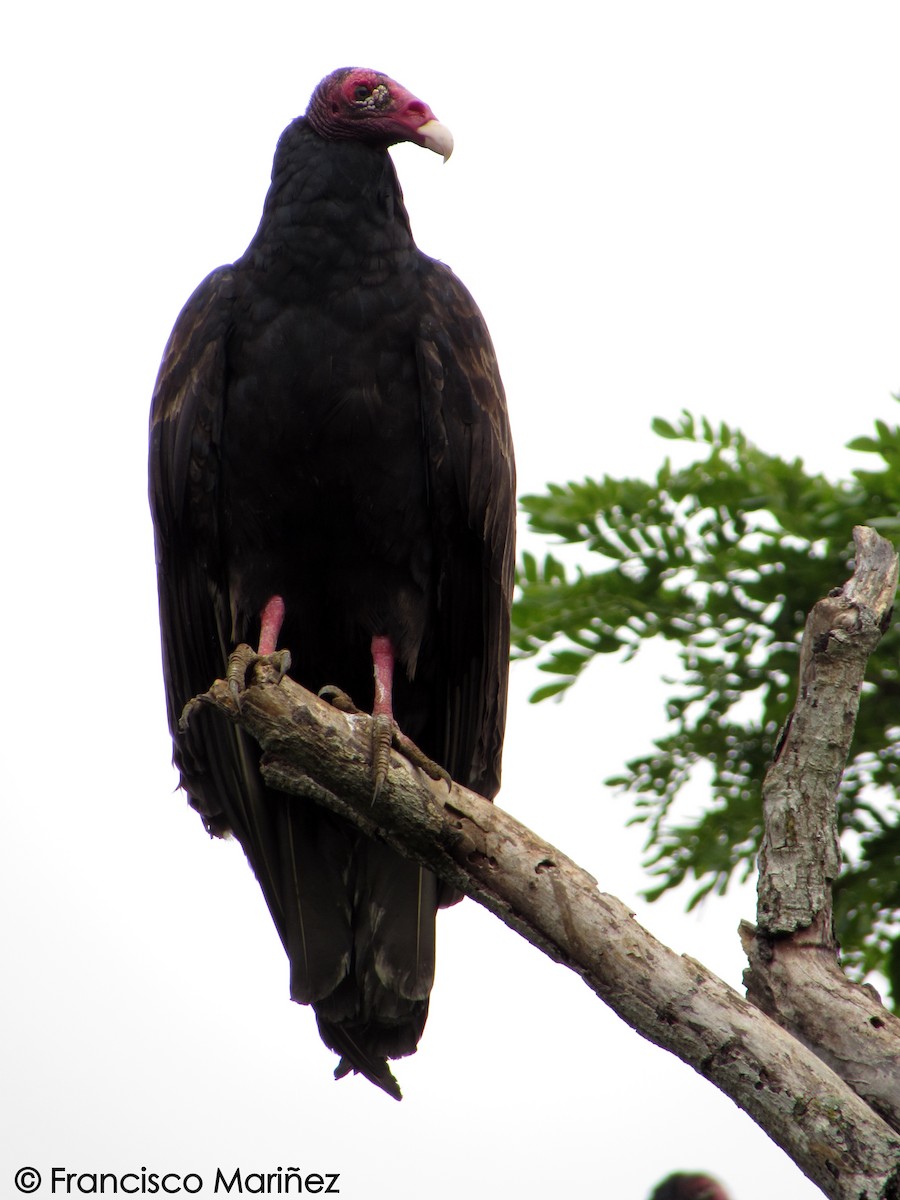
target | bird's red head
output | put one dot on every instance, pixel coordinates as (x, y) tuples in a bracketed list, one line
[(367, 106)]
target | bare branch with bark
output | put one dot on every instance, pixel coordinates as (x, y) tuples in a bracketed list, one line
[(794, 973), (828, 1098)]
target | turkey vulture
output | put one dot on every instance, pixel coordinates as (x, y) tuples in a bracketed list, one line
[(331, 472)]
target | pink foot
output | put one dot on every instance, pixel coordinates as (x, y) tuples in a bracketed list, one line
[(385, 732)]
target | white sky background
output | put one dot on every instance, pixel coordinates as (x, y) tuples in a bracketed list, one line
[(657, 206)]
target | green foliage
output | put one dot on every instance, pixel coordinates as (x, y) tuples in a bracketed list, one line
[(724, 558)]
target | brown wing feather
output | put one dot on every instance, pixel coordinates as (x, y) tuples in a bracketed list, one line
[(218, 764), (472, 478), (300, 854), (185, 426)]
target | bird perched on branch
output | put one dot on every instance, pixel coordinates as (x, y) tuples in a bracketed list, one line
[(331, 473)]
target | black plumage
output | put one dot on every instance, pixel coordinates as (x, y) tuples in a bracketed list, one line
[(329, 426), (683, 1186)]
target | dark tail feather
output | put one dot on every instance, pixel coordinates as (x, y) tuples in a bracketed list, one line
[(356, 919), (317, 929), (379, 1009), (354, 1058)]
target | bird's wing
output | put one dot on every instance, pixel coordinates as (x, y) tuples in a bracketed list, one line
[(217, 763), (472, 486), (299, 854), (185, 431)]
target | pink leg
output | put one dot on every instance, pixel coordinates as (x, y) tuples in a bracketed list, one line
[(382, 712), (270, 622), (383, 662), (385, 733)]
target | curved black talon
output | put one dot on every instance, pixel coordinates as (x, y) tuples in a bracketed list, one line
[(239, 663), (340, 700), (281, 661), (243, 658), (411, 752), (386, 736), (190, 708)]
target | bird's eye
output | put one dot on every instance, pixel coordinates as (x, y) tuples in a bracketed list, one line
[(361, 92)]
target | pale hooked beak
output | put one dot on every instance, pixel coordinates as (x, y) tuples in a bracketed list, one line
[(437, 137)]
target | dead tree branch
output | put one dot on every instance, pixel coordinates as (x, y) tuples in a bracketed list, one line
[(794, 974), (834, 1135)]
